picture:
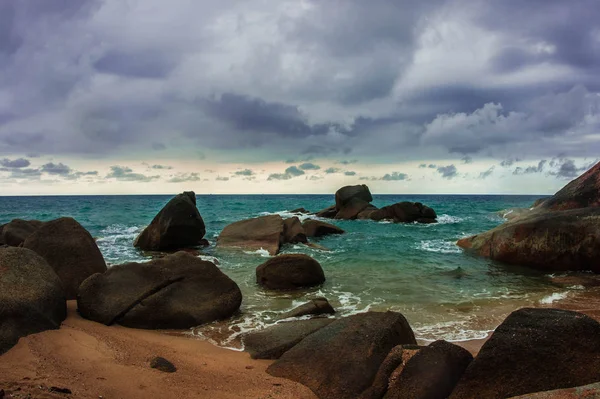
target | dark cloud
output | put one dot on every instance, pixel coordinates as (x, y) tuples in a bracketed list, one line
[(289, 173), (14, 163), (448, 172), (531, 169), (25, 173), (509, 162), (222, 178), (136, 65), (370, 178), (309, 166), (184, 177), (332, 170), (487, 173), (347, 162), (350, 173), (394, 176), (432, 166), (245, 172), (161, 167), (56, 169), (568, 170), (294, 171), (123, 173), (423, 165), (467, 159)]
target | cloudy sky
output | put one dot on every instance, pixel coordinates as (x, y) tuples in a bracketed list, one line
[(268, 96)]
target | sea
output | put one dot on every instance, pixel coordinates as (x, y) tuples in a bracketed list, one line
[(415, 269)]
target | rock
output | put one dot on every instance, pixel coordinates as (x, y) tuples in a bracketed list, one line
[(328, 213), (174, 292), (66, 391), (272, 342), (293, 232), (315, 307), (351, 209), (1, 238), (534, 350), (32, 298), (177, 225), (393, 360), (405, 212), (591, 391), (288, 272), (204, 243), (431, 373), (69, 249), (563, 240), (300, 210), (162, 364), (344, 195), (570, 281), (582, 192), (340, 361), (538, 202), (367, 212), (514, 213), (316, 228), (264, 232), (15, 232)]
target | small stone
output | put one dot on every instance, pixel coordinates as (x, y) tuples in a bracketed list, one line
[(162, 364), (249, 367), (60, 390)]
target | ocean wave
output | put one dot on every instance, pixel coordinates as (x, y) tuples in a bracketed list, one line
[(288, 214), (449, 219), (439, 246), (451, 331), (555, 296), (262, 252)]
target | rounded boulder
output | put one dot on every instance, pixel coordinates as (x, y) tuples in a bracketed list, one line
[(288, 272)]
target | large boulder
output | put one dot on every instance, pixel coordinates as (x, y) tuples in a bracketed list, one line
[(174, 292), (69, 249), (15, 232), (340, 361), (316, 228), (264, 232), (582, 192), (591, 391), (32, 298), (432, 373), (348, 193), (351, 209), (563, 240), (272, 342), (328, 213), (290, 271), (534, 350), (293, 232), (317, 306), (405, 212), (177, 225)]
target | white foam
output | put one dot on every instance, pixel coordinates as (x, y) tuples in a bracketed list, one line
[(556, 296), (449, 219), (439, 246), (262, 252), (288, 214)]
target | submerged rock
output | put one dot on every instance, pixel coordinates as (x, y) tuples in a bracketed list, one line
[(315, 307), (264, 232), (32, 298), (16, 232), (534, 350), (340, 361), (69, 249), (288, 272), (177, 291), (176, 226), (316, 228)]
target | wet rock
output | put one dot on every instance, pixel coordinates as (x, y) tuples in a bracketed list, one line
[(287, 272), (328, 213), (293, 232), (32, 298), (351, 209), (591, 391), (177, 225), (367, 212), (274, 341), (316, 228), (264, 232), (69, 249), (162, 364), (300, 210), (393, 360), (17, 231), (534, 350), (346, 194), (405, 212), (174, 292), (340, 361), (315, 307)]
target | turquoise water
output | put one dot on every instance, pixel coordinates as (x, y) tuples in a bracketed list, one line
[(409, 268)]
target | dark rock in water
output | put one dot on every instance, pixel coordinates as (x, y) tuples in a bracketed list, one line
[(563, 240), (392, 361), (32, 298), (591, 391), (405, 212), (288, 272), (162, 364), (264, 232), (177, 225), (367, 212), (204, 243), (328, 213), (315, 307), (69, 249), (340, 361), (300, 210), (274, 341), (432, 373), (15, 232), (293, 232), (351, 209), (316, 228), (344, 195), (534, 350), (177, 291), (582, 192), (459, 272)]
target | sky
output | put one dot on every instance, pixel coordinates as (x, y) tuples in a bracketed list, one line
[(300, 96)]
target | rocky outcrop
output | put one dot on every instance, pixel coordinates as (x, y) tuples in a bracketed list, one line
[(316, 228), (264, 232), (314, 307), (177, 291), (328, 213), (293, 232), (32, 298), (351, 209), (288, 272), (15, 232), (534, 350), (340, 361), (405, 212), (178, 225), (563, 240), (347, 194), (69, 249), (582, 192), (591, 391), (431, 373), (274, 341)]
